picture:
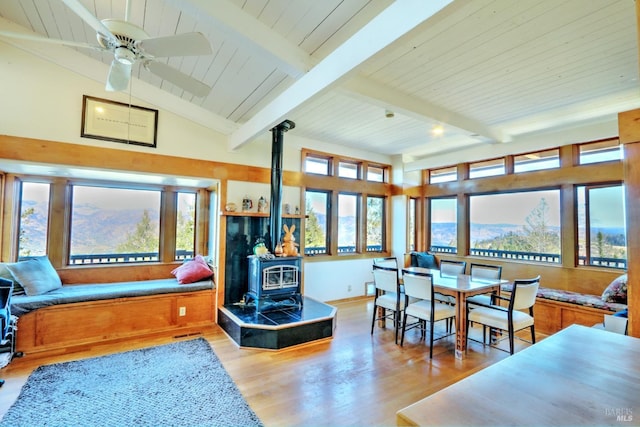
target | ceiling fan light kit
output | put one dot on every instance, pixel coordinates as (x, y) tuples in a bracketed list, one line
[(129, 43)]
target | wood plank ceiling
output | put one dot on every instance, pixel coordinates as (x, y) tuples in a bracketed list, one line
[(489, 71)]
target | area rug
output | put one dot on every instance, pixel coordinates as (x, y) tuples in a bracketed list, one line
[(178, 384)]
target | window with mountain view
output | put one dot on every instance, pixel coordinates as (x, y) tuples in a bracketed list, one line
[(185, 225), (114, 225), (315, 232), (34, 219), (375, 223), (602, 231), (522, 225), (444, 226), (347, 223)]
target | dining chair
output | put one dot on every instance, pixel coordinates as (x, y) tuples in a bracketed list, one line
[(386, 262), (451, 267), (387, 297), (511, 318), (483, 272), (420, 303)]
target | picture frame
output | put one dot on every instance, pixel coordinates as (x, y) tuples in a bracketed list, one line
[(115, 121)]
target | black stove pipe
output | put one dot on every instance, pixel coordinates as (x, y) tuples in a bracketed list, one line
[(275, 208)]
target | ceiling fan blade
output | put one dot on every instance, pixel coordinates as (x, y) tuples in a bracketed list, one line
[(79, 9), (187, 44), (178, 78), (119, 76), (40, 39)]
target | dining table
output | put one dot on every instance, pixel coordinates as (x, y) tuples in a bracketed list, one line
[(460, 287)]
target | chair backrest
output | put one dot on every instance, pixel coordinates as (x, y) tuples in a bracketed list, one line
[(485, 271), (524, 293), (418, 285), (615, 324), (6, 287), (452, 268), (386, 262), (386, 278)]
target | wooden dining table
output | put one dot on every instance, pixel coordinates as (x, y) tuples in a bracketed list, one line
[(580, 376), (460, 287)]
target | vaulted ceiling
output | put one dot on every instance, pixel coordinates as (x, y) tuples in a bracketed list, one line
[(489, 72)]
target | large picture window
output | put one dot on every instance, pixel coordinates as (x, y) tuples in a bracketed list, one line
[(34, 219), (602, 231), (523, 225), (444, 226), (114, 225)]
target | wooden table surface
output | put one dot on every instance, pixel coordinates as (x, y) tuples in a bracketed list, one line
[(578, 376), (460, 287)]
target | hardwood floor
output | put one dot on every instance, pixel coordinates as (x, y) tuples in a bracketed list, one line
[(353, 379)]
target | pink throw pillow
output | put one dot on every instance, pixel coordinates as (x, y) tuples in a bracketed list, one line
[(192, 271)]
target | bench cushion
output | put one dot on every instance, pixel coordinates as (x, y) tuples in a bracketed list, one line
[(21, 304), (577, 298)]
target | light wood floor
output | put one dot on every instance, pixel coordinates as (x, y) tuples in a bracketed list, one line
[(354, 379)]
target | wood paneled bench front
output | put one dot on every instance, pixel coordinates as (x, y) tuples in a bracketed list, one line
[(82, 315), (556, 309)]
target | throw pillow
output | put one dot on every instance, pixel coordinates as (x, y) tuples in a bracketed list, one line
[(36, 275), (192, 271), (424, 260), (6, 274), (616, 291)]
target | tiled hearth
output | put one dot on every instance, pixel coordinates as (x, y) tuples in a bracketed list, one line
[(277, 328)]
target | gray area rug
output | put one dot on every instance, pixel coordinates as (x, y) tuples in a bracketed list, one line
[(178, 384)]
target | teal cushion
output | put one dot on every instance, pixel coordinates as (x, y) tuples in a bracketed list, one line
[(36, 275), (6, 274), (424, 260)]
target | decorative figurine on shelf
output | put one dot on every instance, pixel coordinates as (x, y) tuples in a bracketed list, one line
[(247, 204), (289, 245), (230, 207), (297, 210), (260, 249), (287, 209), (262, 205)]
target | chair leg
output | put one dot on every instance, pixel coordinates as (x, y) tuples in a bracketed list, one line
[(373, 321), (404, 327), (533, 335), (431, 339), (511, 334)]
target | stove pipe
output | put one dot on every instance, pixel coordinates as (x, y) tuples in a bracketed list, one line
[(275, 209)]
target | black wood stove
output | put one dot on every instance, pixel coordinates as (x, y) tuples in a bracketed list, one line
[(274, 282)]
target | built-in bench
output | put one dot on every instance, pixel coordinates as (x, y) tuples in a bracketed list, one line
[(80, 315), (70, 316), (556, 309)]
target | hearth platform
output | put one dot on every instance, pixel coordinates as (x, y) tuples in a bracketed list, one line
[(278, 328)]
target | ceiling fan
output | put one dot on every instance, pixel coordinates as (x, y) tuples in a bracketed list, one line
[(130, 44)]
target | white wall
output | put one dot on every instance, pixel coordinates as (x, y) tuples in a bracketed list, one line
[(333, 280)]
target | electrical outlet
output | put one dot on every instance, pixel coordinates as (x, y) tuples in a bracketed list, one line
[(182, 311)]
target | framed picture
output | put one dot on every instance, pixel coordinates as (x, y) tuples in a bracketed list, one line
[(114, 121)]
